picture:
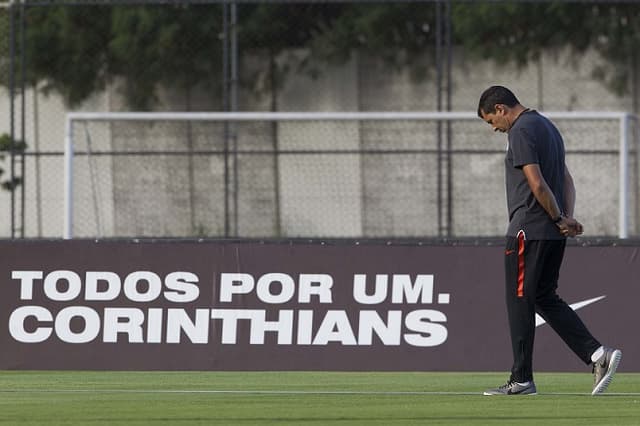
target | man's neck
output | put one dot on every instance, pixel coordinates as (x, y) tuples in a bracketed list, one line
[(514, 113)]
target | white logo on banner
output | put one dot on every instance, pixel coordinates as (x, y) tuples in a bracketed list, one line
[(575, 306)]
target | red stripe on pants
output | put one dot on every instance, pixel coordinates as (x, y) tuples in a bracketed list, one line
[(520, 292)]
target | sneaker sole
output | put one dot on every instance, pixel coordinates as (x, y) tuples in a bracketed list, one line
[(510, 394), (608, 377)]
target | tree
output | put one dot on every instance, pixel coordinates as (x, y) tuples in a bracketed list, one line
[(398, 33), (272, 29), (78, 50), (5, 147), (520, 32), (175, 46), (4, 47), (66, 48)]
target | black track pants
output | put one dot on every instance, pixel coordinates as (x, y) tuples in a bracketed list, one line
[(531, 272)]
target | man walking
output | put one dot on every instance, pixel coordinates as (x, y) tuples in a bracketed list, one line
[(540, 200)]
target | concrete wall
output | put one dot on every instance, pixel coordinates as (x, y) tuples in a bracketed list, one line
[(321, 194)]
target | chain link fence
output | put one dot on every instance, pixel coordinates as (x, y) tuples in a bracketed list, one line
[(391, 179), (313, 175), (5, 115)]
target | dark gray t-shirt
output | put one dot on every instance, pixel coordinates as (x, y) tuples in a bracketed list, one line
[(533, 139)]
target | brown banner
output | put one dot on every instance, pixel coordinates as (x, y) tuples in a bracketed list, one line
[(275, 306)]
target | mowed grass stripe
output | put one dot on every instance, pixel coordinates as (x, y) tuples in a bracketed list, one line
[(306, 398), (300, 381), (294, 392)]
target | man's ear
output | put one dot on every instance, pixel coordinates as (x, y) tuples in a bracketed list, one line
[(500, 109)]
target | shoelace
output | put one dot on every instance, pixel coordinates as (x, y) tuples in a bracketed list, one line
[(507, 385), (599, 364)]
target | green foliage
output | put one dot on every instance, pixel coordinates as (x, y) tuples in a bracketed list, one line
[(78, 50), (398, 33), (279, 26), (520, 32), (517, 32), (177, 46), (616, 35), (267, 30), (4, 46), (6, 146), (65, 48)]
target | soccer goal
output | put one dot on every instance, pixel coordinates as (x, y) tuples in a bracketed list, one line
[(325, 175)]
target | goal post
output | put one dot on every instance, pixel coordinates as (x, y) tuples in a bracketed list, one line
[(422, 173)]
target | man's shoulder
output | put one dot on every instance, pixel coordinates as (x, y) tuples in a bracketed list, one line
[(530, 118), (529, 125)]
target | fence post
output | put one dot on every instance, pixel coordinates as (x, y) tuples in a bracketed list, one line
[(12, 111), (67, 232), (623, 208)]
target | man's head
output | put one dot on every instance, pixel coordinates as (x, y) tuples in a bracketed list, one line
[(499, 107)]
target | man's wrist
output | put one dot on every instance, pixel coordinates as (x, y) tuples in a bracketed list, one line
[(558, 218)]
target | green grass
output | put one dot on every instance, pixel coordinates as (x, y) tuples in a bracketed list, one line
[(307, 398)]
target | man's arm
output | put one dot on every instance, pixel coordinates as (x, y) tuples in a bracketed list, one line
[(569, 193), (567, 225), (541, 190)]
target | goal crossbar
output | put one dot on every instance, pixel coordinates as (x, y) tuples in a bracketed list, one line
[(320, 116)]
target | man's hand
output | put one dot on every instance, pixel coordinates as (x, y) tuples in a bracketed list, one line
[(569, 227)]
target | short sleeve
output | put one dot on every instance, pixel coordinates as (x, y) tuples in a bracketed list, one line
[(523, 148)]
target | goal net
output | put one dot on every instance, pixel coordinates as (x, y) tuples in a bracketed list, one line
[(325, 175)]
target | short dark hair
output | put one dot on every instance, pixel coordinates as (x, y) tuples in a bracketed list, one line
[(496, 95)]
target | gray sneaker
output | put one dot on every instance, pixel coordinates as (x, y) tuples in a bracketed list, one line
[(604, 369), (514, 388)]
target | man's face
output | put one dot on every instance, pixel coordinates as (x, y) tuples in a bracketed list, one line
[(498, 120)]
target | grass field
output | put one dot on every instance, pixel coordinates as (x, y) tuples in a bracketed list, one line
[(307, 398)]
